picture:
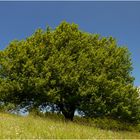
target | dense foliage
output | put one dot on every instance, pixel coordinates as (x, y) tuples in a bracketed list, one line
[(69, 69)]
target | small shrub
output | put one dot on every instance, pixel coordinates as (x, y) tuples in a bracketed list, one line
[(108, 124), (112, 124)]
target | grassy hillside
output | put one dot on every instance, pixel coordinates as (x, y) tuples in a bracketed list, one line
[(12, 126)]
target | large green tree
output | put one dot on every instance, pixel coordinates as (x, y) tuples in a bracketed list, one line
[(72, 70)]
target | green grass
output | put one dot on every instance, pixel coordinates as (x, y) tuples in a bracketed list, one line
[(31, 127)]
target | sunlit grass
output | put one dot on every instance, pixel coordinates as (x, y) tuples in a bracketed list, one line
[(35, 127)]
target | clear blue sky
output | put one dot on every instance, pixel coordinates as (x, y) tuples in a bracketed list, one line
[(121, 20)]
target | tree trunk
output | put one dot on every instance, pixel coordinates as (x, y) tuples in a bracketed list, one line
[(68, 115), (68, 111)]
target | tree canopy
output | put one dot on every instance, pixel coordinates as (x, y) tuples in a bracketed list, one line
[(70, 70)]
